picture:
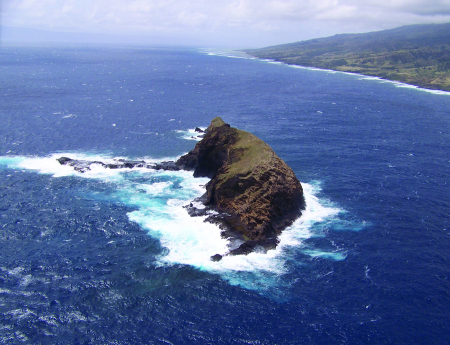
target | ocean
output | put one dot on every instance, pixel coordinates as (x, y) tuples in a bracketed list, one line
[(112, 257)]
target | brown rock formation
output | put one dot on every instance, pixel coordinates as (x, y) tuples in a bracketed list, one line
[(256, 193)]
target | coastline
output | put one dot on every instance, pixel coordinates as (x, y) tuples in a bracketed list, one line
[(415, 55), (364, 76), (243, 54)]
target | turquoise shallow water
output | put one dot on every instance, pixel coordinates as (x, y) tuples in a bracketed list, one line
[(111, 256)]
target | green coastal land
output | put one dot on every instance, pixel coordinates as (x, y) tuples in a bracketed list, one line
[(414, 54)]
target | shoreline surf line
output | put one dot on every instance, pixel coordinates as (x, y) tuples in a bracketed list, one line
[(396, 83)]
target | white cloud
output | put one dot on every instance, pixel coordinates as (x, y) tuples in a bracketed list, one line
[(223, 18)]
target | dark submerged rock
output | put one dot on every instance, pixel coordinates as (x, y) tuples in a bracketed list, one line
[(169, 165), (79, 165), (249, 246), (84, 165), (195, 211), (216, 257), (64, 160)]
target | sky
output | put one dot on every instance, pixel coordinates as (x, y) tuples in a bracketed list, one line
[(209, 23)]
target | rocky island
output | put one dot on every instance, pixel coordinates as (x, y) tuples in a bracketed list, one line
[(253, 195)]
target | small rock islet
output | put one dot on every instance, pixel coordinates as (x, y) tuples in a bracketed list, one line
[(253, 195)]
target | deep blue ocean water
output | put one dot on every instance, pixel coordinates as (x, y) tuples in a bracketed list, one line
[(111, 257)]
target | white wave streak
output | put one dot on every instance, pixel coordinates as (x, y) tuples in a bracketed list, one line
[(191, 134), (362, 77), (235, 54)]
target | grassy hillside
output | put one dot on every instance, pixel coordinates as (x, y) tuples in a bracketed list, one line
[(415, 54)]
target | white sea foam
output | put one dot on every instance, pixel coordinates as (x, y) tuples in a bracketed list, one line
[(191, 241), (381, 80), (50, 165), (235, 54), (191, 134), (336, 256), (159, 197)]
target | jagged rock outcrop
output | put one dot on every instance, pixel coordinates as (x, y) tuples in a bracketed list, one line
[(256, 194), (85, 165)]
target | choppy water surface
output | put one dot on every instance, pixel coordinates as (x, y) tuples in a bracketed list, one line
[(111, 255)]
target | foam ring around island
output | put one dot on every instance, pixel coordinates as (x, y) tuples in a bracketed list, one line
[(159, 197)]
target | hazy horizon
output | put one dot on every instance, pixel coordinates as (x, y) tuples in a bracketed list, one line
[(231, 24)]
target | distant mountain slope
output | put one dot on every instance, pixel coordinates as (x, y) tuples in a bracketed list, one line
[(414, 54)]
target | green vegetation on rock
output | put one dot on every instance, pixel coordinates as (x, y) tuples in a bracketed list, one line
[(416, 54)]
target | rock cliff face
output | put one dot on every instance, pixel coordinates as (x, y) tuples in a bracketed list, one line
[(256, 194)]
